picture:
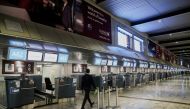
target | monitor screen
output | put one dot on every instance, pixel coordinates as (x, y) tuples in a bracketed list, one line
[(135, 64), (110, 62), (97, 61), (124, 63), (63, 58), (50, 57), (34, 56), (17, 54), (127, 64), (115, 63), (104, 62)]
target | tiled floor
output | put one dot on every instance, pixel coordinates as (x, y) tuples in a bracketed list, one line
[(167, 94)]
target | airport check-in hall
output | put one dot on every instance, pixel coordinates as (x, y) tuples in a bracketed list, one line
[(94, 54)]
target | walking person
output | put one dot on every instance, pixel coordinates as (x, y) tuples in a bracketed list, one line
[(87, 84)]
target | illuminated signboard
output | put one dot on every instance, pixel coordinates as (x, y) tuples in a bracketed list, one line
[(63, 58), (34, 56), (50, 57), (17, 53), (63, 50), (50, 47), (17, 43), (35, 46)]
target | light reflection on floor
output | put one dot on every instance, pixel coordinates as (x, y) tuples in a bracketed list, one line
[(167, 94)]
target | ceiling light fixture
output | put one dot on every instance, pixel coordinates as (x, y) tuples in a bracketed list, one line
[(176, 42), (170, 34), (160, 20)]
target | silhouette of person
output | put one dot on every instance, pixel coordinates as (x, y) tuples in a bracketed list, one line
[(87, 84), (66, 15)]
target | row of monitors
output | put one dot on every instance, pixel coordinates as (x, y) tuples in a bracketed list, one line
[(112, 62), (29, 55), (109, 62)]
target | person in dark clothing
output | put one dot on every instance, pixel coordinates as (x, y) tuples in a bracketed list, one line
[(66, 15), (87, 84)]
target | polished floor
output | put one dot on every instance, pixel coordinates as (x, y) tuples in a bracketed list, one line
[(166, 94)]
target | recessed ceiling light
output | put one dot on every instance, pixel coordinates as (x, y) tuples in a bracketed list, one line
[(160, 20), (176, 42), (170, 34)]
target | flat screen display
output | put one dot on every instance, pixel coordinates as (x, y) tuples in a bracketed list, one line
[(127, 64), (17, 53), (104, 62), (124, 63), (115, 63), (63, 58), (34, 56), (50, 57), (110, 62), (97, 61), (135, 64)]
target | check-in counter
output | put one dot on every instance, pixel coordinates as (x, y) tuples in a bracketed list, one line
[(65, 87), (152, 76), (120, 81), (18, 91), (133, 80), (78, 78), (128, 80), (138, 79), (146, 78)]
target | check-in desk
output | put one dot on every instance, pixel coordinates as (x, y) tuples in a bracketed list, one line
[(138, 80), (78, 78), (128, 80), (133, 79), (120, 81), (18, 91), (146, 78), (65, 87)]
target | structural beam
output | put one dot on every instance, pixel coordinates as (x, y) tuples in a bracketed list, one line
[(170, 32), (187, 51), (174, 40), (162, 16), (99, 1), (176, 46), (180, 49), (181, 52)]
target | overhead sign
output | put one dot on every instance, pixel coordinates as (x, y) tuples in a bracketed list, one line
[(17, 53), (74, 16), (34, 56), (151, 49), (50, 57)]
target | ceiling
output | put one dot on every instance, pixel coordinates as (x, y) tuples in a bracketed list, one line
[(165, 21)]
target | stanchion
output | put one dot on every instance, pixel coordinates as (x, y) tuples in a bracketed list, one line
[(103, 91), (98, 101), (116, 105), (108, 106)]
